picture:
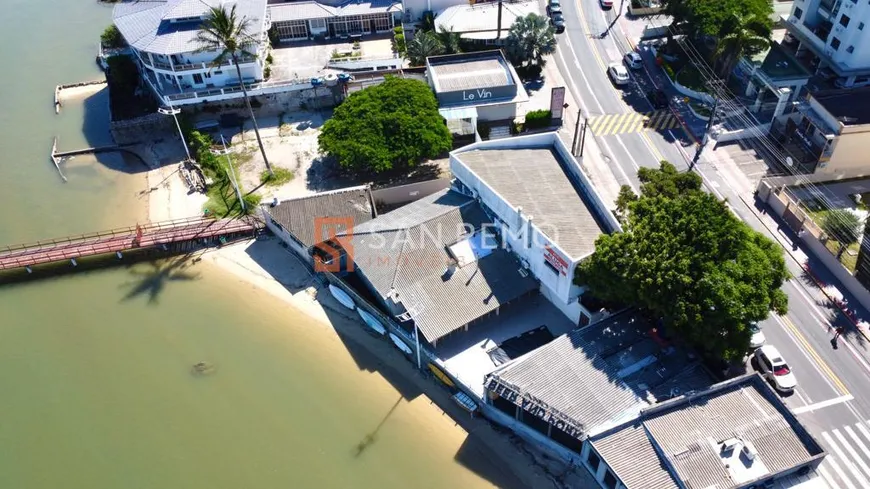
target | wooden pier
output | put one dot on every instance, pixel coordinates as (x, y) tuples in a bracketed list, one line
[(178, 235)]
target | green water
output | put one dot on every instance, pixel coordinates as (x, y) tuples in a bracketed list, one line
[(96, 388)]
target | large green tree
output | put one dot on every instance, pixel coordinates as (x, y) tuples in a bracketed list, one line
[(227, 34), (715, 17), (392, 125), (684, 257), (743, 35), (530, 38), (424, 44), (843, 226)]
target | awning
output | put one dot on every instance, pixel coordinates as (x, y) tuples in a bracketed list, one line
[(458, 113)]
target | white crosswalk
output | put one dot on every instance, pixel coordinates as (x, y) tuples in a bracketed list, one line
[(847, 465)]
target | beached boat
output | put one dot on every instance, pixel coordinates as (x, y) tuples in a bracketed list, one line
[(371, 321), (342, 297), (401, 344)]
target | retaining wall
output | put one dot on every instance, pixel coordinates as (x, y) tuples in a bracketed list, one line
[(142, 129)]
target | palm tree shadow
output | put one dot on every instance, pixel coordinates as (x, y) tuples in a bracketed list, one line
[(151, 282), (370, 438)]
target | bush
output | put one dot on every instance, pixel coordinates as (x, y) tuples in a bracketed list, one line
[(538, 119), (281, 176), (267, 73), (399, 44), (269, 59), (398, 30), (112, 38), (669, 70)]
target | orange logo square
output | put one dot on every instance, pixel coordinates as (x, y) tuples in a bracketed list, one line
[(325, 231)]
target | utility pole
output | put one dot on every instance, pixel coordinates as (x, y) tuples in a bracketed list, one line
[(715, 84), (583, 136), (232, 174), (498, 30), (174, 113), (576, 130)]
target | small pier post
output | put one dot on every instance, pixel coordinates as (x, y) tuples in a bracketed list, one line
[(55, 160)]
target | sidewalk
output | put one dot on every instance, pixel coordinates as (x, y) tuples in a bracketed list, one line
[(592, 163)]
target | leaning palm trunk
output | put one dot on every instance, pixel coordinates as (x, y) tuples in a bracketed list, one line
[(253, 118)]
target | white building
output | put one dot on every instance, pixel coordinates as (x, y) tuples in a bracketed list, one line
[(324, 19), (836, 34), (162, 37), (544, 207)]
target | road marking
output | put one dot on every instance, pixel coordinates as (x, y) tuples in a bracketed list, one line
[(857, 458), (591, 45), (823, 404), (632, 122), (822, 471), (844, 459), (803, 350), (820, 363), (857, 440), (839, 471), (804, 399)]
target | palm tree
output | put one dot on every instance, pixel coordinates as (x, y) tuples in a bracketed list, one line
[(223, 31), (425, 44), (452, 41), (530, 39), (745, 35)]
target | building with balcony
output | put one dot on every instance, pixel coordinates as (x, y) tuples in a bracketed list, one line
[(162, 38), (833, 35), (827, 133), (296, 20)]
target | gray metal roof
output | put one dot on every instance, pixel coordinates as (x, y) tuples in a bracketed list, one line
[(598, 377), (631, 455), (299, 216), (470, 75), (535, 180), (746, 408), (146, 24), (283, 12), (406, 250)]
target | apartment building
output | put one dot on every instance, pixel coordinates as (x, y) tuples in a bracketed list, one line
[(833, 34)]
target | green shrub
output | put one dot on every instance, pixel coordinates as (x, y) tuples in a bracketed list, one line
[(399, 44), (112, 38), (269, 59), (398, 30), (669, 70), (267, 73), (538, 119)]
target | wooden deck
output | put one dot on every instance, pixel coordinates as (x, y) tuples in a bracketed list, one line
[(138, 237)]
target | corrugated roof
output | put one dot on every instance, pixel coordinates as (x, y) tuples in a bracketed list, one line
[(535, 180), (299, 216), (747, 410), (146, 24), (470, 75), (406, 250), (631, 455)]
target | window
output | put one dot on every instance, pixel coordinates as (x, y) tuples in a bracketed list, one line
[(860, 26), (798, 13), (593, 460), (197, 78), (844, 21), (835, 44), (610, 480), (317, 23), (850, 49), (551, 267)]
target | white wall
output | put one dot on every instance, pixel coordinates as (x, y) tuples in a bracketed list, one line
[(285, 236), (417, 7), (497, 112)]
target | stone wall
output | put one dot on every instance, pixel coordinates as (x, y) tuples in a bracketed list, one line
[(141, 129)]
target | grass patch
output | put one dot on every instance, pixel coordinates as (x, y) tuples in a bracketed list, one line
[(281, 176), (848, 260), (223, 202)]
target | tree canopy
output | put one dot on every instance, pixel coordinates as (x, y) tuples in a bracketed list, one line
[(716, 17), (684, 257), (530, 38), (843, 226), (423, 45), (392, 125)]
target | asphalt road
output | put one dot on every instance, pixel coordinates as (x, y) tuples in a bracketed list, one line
[(831, 398)]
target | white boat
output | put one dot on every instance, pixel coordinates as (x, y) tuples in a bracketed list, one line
[(401, 344), (342, 297), (371, 321)]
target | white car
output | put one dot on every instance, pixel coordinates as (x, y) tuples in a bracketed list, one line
[(633, 60), (618, 74), (758, 338), (774, 369)]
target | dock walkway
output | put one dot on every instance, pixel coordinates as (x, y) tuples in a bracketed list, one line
[(119, 240)]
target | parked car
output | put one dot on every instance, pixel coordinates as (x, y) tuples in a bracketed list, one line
[(607, 4), (554, 7), (618, 74), (758, 338), (774, 369), (657, 99), (633, 60), (558, 23)]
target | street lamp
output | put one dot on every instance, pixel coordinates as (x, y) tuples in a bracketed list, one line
[(174, 113)]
